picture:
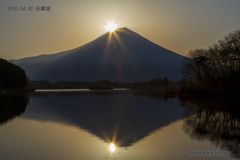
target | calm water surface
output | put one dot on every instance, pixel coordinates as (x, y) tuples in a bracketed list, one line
[(73, 125)]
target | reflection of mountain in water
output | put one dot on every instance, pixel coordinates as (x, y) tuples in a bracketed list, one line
[(12, 106), (216, 120), (125, 116)]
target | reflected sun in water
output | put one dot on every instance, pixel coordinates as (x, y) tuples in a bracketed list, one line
[(112, 147)]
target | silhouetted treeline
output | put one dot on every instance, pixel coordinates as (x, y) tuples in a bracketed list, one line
[(75, 85), (101, 85), (58, 85), (154, 84), (11, 76), (214, 70)]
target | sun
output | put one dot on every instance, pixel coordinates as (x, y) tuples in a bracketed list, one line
[(110, 27), (112, 147)]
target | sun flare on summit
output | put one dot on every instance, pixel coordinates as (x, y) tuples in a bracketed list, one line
[(112, 147), (110, 27)]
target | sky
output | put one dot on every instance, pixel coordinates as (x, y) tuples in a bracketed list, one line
[(59, 25)]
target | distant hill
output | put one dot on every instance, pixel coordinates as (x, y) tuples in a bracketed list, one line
[(122, 56), (11, 76)]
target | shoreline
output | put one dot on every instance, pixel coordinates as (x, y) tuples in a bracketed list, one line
[(16, 90)]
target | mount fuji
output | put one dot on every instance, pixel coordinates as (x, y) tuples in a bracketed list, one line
[(120, 56)]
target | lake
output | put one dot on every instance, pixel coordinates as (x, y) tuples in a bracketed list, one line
[(82, 124)]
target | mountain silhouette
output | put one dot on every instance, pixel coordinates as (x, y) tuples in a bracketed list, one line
[(122, 55)]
